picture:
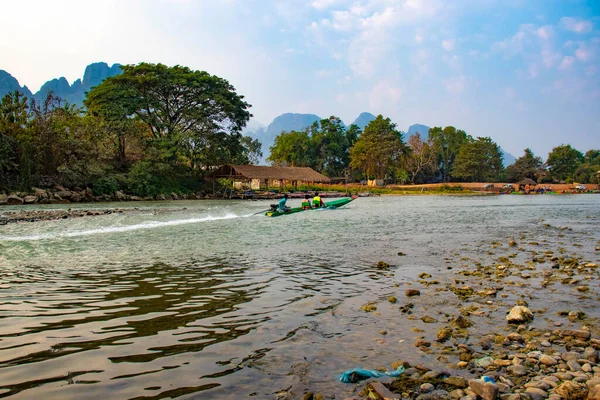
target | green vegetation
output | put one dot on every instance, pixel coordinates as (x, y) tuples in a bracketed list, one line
[(324, 146), (448, 155), (152, 129)]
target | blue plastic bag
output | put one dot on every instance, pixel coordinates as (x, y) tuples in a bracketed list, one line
[(359, 374)]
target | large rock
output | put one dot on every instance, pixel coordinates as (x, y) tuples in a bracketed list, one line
[(486, 390), (572, 390), (40, 193), (594, 393), (30, 199), (119, 195), (64, 194), (576, 333), (13, 199), (3, 199), (517, 370), (76, 197), (591, 354), (519, 314)]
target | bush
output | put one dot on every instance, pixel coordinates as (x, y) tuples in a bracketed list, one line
[(105, 185)]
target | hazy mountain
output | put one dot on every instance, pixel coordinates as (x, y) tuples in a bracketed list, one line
[(9, 84), (75, 94), (363, 120), (423, 130), (508, 158), (285, 122)]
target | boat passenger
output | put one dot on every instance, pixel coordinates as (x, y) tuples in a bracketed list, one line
[(305, 203), (281, 206), (317, 202)]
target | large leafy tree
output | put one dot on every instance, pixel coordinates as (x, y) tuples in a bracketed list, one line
[(587, 172), (447, 143), (183, 109), (291, 149), (421, 162), (379, 149), (526, 166), (330, 145), (478, 160), (563, 161), (324, 146)]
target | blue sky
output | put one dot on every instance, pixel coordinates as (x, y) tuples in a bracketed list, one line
[(525, 72)]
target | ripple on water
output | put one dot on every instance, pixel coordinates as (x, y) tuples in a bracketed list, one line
[(214, 300)]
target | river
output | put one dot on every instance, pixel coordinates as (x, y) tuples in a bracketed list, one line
[(208, 300)]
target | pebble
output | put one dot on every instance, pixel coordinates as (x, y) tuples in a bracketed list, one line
[(427, 387), (547, 360), (517, 370)]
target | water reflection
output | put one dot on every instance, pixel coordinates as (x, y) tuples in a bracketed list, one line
[(226, 308)]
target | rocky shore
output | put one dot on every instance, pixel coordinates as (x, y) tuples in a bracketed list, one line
[(48, 215), (60, 195), (518, 321)]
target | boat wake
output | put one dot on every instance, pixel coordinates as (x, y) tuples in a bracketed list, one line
[(119, 229)]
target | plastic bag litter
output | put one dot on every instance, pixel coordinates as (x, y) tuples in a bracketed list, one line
[(358, 374)]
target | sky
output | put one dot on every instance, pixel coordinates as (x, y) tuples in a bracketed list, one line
[(524, 72)]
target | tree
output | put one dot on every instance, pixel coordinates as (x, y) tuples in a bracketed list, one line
[(447, 143), (479, 160), (330, 145), (324, 146), (291, 149), (587, 172), (13, 131), (421, 160), (562, 162), (177, 104), (526, 166), (379, 149)]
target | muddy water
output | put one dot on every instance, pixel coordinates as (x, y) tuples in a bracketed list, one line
[(214, 302)]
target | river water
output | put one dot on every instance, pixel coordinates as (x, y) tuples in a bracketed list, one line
[(206, 300)]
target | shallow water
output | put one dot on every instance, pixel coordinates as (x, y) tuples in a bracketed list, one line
[(215, 302)]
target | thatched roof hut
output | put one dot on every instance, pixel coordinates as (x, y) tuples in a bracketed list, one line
[(249, 172), (528, 181)]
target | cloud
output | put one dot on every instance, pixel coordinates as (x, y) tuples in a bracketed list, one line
[(515, 44), (368, 31), (509, 92), (419, 38), (566, 63), (533, 71), (544, 32), (584, 53), (324, 4), (456, 84), (448, 44), (549, 58), (576, 25), (384, 94), (452, 61)]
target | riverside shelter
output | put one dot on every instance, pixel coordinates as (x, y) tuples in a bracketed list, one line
[(259, 176)]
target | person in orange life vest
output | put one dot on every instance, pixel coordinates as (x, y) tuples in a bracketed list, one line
[(305, 203)]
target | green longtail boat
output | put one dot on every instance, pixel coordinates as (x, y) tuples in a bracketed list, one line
[(328, 205)]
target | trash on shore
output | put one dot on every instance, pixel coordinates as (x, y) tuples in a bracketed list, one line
[(359, 374)]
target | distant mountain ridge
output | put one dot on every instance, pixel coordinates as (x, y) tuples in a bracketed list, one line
[(75, 94)]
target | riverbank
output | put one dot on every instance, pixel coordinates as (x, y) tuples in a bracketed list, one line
[(61, 195), (515, 319)]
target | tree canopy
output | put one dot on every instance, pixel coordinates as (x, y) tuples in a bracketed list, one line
[(324, 146), (526, 166), (447, 143), (563, 161), (378, 149), (478, 160)]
